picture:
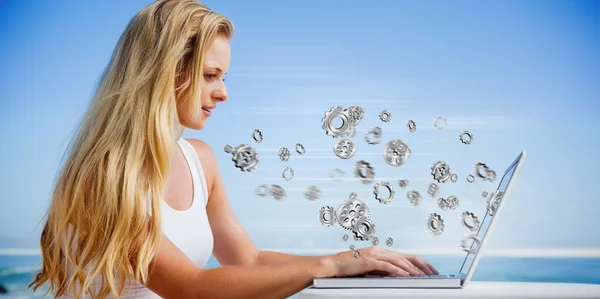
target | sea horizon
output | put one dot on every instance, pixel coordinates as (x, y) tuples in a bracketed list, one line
[(17, 271)]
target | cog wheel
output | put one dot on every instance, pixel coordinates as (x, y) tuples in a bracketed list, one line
[(433, 190), (356, 115), (257, 136), (287, 174), (466, 137), (244, 157), (484, 172), (492, 202), (385, 116), (476, 242), (327, 216), (469, 221), (435, 224), (396, 153), (441, 171), (228, 149), (364, 172), (300, 149), (329, 118), (443, 204), (454, 177), (440, 123), (470, 178), (412, 127), (378, 196), (403, 183), (262, 190), (389, 241), (373, 136), (350, 211), (375, 241), (284, 154), (312, 193), (363, 229), (336, 174), (344, 149), (452, 202), (414, 196), (277, 192), (481, 170)]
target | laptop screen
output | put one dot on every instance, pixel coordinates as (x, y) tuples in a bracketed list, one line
[(487, 218)]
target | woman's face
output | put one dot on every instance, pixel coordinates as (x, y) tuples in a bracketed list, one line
[(216, 65)]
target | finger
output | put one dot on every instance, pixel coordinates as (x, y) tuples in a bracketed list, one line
[(400, 260), (421, 264), (406, 265), (429, 266), (379, 265), (435, 271), (414, 269)]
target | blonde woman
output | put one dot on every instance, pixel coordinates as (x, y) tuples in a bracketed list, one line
[(137, 210)]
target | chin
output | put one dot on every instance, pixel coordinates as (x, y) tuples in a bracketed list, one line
[(197, 124)]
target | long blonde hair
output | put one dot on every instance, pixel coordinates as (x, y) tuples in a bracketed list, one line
[(98, 223)]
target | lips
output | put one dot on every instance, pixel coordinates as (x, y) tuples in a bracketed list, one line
[(206, 111)]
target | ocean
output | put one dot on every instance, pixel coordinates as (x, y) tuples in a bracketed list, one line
[(16, 272)]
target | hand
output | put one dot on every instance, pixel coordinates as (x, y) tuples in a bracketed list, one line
[(379, 260)]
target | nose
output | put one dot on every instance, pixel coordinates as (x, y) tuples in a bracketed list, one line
[(220, 94)]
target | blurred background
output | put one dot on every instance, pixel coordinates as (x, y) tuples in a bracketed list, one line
[(518, 75)]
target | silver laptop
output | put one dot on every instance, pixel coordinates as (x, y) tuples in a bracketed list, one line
[(465, 273)]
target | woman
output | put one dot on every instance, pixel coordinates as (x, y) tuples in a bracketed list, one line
[(138, 210)]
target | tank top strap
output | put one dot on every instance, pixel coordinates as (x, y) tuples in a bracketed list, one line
[(200, 185)]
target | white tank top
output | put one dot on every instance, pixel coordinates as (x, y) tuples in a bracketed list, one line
[(189, 230)]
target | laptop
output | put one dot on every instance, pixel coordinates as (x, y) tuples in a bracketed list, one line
[(454, 281)]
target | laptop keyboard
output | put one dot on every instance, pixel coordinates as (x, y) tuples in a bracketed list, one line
[(426, 276)]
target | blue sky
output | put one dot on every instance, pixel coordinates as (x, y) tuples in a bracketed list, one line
[(520, 75)]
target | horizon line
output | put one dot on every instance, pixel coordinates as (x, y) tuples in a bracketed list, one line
[(558, 252)]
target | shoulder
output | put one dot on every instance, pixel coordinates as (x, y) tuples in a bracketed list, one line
[(201, 147), (204, 152)]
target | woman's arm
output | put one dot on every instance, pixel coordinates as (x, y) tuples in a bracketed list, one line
[(173, 275), (275, 258)]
